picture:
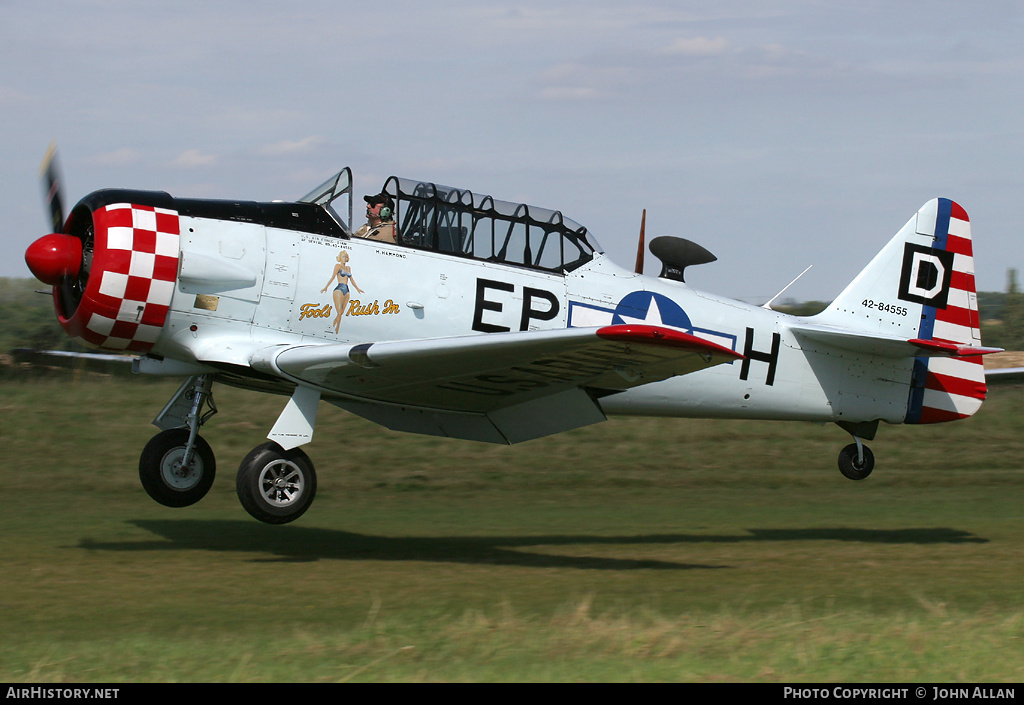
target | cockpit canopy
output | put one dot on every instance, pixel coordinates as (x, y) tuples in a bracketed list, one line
[(462, 223)]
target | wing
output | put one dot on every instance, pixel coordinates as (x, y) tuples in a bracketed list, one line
[(499, 387), (96, 362)]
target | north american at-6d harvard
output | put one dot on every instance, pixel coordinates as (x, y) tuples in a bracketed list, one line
[(456, 314)]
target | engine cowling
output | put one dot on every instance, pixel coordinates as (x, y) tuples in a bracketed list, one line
[(126, 247)]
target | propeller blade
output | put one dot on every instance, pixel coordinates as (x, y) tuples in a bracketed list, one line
[(640, 247), (50, 174)]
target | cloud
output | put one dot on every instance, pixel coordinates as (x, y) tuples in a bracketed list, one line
[(11, 98), (599, 79), (118, 158), (697, 46), (287, 148), (572, 93), (671, 72), (193, 158)]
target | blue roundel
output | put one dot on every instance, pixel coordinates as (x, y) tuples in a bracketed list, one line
[(651, 309)]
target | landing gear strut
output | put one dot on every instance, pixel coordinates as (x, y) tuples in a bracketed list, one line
[(856, 461), (177, 466)]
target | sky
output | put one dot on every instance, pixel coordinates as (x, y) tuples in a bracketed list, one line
[(777, 135)]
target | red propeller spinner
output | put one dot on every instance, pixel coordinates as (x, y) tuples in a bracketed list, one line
[(53, 257)]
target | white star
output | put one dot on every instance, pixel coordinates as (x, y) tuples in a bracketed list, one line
[(652, 318)]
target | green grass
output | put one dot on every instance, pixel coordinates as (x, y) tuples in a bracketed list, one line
[(635, 550)]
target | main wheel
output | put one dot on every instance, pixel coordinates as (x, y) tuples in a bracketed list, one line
[(275, 485), (164, 477), (850, 464)]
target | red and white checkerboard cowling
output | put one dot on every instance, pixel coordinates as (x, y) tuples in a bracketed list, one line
[(132, 277)]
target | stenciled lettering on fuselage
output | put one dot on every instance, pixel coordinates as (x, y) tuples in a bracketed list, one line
[(769, 357), (492, 296), (926, 275)]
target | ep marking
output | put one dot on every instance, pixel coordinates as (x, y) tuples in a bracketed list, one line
[(538, 305)]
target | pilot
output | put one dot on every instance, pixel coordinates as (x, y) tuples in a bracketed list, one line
[(380, 222)]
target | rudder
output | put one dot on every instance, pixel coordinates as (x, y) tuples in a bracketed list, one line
[(949, 388)]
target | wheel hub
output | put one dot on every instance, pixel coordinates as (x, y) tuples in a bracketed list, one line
[(281, 483), (178, 475)]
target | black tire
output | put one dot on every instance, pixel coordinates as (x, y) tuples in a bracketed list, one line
[(275, 485), (850, 467), (162, 475)]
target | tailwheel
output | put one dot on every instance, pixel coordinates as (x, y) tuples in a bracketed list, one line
[(275, 485), (856, 461), (174, 474)]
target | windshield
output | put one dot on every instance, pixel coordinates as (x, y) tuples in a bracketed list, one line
[(329, 191)]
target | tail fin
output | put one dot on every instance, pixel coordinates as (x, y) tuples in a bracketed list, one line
[(921, 285)]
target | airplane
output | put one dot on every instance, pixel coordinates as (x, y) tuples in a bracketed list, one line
[(484, 320)]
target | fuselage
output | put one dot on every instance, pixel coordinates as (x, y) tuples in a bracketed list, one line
[(407, 293), (197, 286)]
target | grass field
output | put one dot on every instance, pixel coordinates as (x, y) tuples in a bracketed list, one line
[(635, 550)]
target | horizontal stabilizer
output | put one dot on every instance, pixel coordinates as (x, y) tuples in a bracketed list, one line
[(886, 346), (1006, 375), (935, 348)]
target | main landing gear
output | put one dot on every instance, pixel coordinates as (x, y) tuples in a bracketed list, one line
[(177, 466), (856, 461), (276, 485)]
